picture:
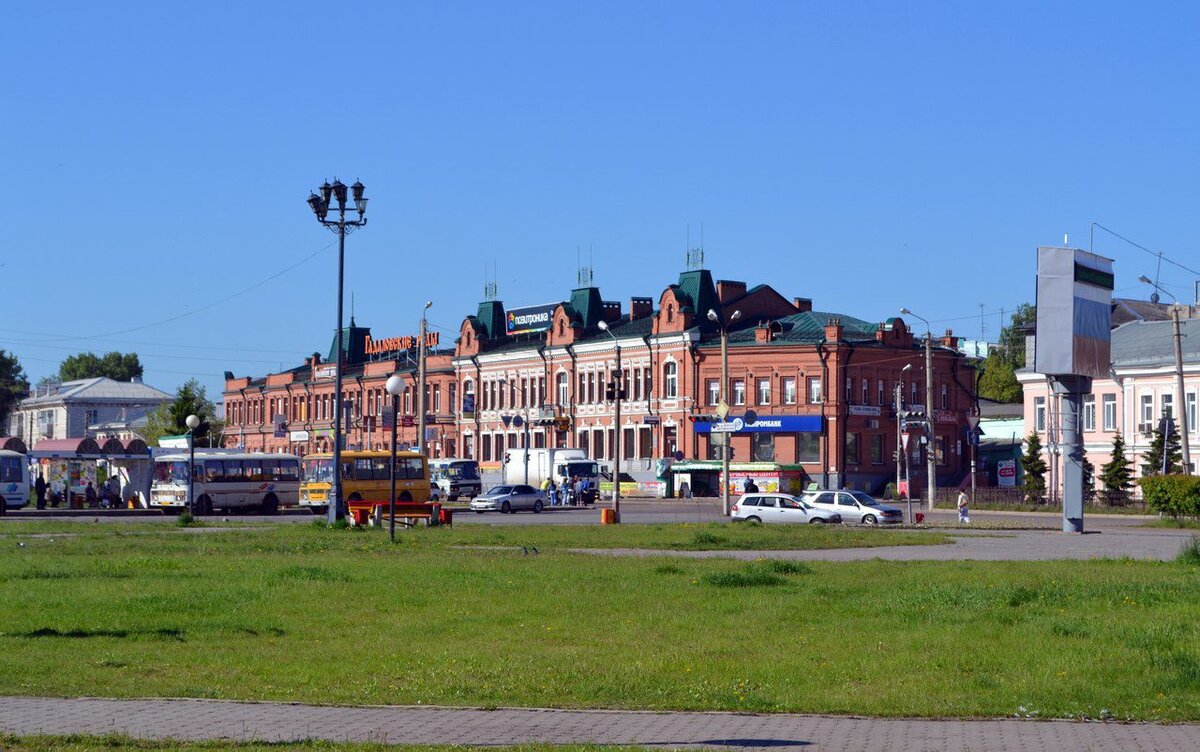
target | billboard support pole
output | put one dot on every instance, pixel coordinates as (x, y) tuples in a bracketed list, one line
[(1070, 390)]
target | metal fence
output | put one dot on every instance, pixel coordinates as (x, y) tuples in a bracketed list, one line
[(1016, 498)]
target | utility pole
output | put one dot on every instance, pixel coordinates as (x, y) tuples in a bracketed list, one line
[(618, 389), (931, 449), (1180, 394), (728, 447), (421, 382)]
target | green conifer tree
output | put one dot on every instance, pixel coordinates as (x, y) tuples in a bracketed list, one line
[(1116, 475), (1034, 468)]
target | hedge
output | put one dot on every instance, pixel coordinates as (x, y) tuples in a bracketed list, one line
[(1173, 495)]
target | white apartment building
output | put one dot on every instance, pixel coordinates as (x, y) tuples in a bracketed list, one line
[(83, 408)]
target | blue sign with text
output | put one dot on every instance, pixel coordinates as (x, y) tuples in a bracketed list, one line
[(764, 424)]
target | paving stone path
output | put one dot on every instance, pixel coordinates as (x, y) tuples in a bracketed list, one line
[(190, 720)]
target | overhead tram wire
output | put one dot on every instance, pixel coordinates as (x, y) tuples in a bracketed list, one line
[(1157, 254), (211, 305)]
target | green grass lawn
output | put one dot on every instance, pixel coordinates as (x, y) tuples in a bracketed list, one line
[(77, 743), (297, 613)]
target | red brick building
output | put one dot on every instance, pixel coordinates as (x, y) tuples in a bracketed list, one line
[(825, 380), (821, 384), (292, 411)]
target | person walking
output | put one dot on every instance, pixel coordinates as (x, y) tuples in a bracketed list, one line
[(39, 490), (964, 516), (552, 493)]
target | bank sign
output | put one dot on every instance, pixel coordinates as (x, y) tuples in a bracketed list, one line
[(764, 424), (530, 319)]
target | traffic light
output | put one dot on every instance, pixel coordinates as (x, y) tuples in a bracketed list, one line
[(610, 391)]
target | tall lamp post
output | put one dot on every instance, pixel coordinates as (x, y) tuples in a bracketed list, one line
[(901, 455), (724, 326), (1179, 390), (931, 448), (394, 386), (193, 422), (618, 394), (341, 227), (421, 382)]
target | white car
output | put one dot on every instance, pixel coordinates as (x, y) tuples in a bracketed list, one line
[(509, 499), (773, 508), (855, 506)]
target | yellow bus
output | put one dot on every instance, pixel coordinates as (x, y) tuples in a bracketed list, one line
[(365, 476)]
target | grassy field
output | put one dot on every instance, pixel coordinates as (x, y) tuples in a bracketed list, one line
[(122, 743), (297, 613)]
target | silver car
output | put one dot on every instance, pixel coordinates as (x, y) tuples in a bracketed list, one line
[(508, 499), (772, 508), (855, 506)]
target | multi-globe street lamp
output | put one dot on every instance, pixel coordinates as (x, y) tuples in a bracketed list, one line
[(930, 433), (340, 226)]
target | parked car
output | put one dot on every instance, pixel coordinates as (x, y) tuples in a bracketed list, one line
[(855, 506), (770, 508), (506, 499)]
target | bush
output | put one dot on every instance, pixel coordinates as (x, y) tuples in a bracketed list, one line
[(1173, 495), (1190, 553), (186, 519)]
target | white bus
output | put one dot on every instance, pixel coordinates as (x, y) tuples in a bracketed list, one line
[(455, 478), (14, 479), (227, 481)]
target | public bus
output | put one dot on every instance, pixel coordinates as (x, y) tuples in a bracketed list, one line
[(365, 477), (455, 478), (14, 479), (227, 481)]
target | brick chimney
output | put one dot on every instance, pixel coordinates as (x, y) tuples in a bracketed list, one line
[(949, 340), (314, 360), (612, 311), (640, 307), (833, 330), (764, 332), (728, 290), (802, 305)]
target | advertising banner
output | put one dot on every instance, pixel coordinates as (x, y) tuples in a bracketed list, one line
[(764, 424), (1074, 313), (530, 319), (1006, 473)]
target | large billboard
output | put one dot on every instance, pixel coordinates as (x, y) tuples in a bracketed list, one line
[(530, 319), (1074, 313)]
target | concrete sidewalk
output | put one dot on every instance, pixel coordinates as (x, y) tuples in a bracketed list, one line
[(191, 720)]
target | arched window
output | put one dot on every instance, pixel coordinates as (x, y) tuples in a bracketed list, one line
[(670, 313), (564, 396), (468, 389), (467, 338), (670, 378), (562, 327)]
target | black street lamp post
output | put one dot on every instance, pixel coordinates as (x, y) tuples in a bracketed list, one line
[(394, 386), (341, 227)]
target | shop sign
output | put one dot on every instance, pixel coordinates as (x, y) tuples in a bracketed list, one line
[(298, 436), (530, 319), (872, 410), (650, 420), (945, 416), (396, 344), (764, 424), (325, 372)]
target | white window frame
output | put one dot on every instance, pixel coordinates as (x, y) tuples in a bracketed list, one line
[(712, 388), (1166, 401), (814, 390), (1109, 405), (879, 392), (738, 389), (1190, 401), (866, 391), (764, 391), (1146, 409), (1089, 412), (1039, 414), (789, 390), (670, 380)]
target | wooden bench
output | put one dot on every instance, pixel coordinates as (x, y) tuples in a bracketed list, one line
[(374, 512)]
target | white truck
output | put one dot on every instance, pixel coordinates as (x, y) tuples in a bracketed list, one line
[(561, 465)]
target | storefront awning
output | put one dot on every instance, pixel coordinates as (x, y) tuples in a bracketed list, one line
[(88, 449), (12, 444)]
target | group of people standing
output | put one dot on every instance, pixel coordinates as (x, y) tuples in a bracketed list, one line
[(569, 493), (108, 497)]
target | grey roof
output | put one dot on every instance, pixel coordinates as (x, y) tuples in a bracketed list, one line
[(992, 409), (806, 328), (1125, 310), (1151, 343), (99, 389)]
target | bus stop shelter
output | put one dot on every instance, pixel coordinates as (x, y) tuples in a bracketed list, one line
[(72, 463)]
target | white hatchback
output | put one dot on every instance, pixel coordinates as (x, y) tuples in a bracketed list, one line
[(772, 508)]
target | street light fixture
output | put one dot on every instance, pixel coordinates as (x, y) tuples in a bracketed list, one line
[(341, 227), (193, 422), (421, 382), (724, 328), (930, 433), (394, 386), (618, 389), (1179, 390)]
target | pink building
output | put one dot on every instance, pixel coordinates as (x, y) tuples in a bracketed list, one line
[(1140, 390)]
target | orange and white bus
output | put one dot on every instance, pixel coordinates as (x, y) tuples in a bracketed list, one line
[(365, 476)]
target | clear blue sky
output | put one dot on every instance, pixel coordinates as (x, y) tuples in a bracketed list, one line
[(156, 157)]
